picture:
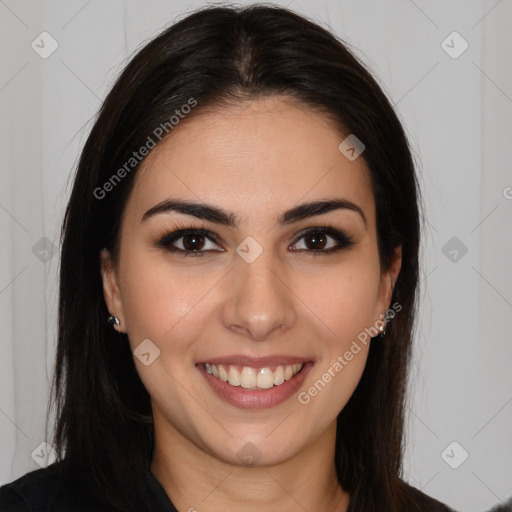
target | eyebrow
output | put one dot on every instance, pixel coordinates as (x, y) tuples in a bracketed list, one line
[(219, 216)]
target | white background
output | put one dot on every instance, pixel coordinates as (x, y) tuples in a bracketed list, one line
[(457, 113)]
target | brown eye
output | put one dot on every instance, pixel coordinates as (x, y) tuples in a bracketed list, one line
[(193, 242), (315, 241), (189, 242), (324, 240)]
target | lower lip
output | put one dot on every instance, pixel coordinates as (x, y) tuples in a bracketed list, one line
[(256, 399)]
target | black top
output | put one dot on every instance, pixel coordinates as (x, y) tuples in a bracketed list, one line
[(42, 491)]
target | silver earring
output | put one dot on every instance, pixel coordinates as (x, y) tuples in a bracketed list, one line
[(382, 332), (113, 320)]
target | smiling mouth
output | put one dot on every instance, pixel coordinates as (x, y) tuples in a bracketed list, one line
[(253, 378)]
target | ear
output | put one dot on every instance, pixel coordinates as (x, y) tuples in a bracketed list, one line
[(111, 292), (388, 281)]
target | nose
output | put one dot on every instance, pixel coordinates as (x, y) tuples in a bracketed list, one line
[(259, 301)]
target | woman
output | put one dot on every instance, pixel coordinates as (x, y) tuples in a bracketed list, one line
[(239, 273)]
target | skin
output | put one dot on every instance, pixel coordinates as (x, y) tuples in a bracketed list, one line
[(255, 159)]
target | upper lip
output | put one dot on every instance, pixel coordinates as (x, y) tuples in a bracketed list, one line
[(256, 362)]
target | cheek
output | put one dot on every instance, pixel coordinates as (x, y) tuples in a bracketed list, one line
[(344, 298), (344, 301), (346, 310), (156, 301), (163, 308)]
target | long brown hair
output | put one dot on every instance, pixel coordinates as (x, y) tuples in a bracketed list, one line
[(104, 432)]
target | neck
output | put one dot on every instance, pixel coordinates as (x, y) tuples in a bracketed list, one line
[(195, 480)]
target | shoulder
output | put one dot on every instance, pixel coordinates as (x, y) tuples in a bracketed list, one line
[(503, 507), (421, 502), (42, 490), (425, 503)]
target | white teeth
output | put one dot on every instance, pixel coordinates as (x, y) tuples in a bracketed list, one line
[(279, 376), (248, 377), (253, 378), (233, 376), (265, 378), (223, 374)]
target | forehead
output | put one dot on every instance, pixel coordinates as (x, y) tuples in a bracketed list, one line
[(257, 158)]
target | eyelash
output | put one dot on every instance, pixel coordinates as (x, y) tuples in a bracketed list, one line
[(166, 238)]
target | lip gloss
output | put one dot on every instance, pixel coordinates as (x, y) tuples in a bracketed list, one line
[(253, 398)]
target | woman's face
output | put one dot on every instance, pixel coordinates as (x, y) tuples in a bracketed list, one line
[(256, 285)]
